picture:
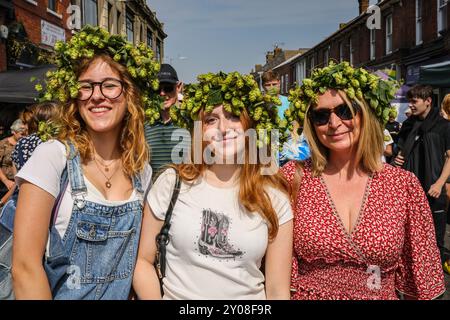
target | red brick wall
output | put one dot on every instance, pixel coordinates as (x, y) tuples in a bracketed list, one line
[(31, 16), (429, 24)]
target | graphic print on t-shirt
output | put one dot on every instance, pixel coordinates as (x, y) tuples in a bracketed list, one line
[(214, 236)]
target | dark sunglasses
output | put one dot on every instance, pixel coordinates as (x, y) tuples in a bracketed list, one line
[(167, 88), (321, 117)]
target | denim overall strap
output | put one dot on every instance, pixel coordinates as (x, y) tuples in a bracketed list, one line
[(137, 185), (75, 172)]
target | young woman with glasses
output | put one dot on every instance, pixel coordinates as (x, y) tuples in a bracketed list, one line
[(362, 229), (92, 247)]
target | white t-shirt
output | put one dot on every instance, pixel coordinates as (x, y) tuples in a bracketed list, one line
[(216, 246), (44, 170)]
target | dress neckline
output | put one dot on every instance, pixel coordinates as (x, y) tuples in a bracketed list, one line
[(348, 233)]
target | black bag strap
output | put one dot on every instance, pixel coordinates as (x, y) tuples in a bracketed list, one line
[(162, 239)]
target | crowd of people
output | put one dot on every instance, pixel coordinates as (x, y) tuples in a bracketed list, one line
[(101, 211)]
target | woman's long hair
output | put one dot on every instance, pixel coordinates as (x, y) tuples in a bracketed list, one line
[(132, 143), (253, 194)]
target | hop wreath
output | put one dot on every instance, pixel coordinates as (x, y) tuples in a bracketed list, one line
[(236, 92), (90, 41), (356, 83), (47, 130)]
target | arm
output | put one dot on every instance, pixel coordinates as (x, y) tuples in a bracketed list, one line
[(388, 150), (145, 279), (6, 197), (8, 183), (278, 264), (31, 223), (436, 188), (419, 274)]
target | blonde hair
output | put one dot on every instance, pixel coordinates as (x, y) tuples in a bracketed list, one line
[(370, 145), (445, 107), (252, 193), (133, 147)]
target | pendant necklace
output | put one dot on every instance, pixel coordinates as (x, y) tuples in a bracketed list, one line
[(108, 179)]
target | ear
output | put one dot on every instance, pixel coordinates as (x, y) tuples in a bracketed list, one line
[(179, 86), (429, 100)]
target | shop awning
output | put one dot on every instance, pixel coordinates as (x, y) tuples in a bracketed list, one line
[(16, 87), (437, 75)]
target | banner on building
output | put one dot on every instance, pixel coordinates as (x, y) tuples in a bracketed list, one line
[(51, 33)]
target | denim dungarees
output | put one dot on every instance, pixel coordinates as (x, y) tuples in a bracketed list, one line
[(96, 257)]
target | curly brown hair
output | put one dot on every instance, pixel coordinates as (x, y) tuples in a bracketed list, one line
[(133, 147)]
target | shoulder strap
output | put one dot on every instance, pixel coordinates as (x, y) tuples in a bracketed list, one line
[(166, 226), (63, 182), (162, 239)]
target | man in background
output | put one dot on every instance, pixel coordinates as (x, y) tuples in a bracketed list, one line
[(159, 136)]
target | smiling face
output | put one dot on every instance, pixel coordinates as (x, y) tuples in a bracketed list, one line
[(337, 135), (169, 92), (224, 133), (102, 114)]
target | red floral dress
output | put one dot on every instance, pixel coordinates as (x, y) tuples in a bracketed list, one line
[(392, 246)]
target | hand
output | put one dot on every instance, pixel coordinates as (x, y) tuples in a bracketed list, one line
[(435, 190), (9, 184), (399, 160)]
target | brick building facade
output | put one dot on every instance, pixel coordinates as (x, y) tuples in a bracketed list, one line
[(412, 35), (35, 25)]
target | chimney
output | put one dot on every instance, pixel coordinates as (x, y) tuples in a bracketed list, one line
[(363, 6), (269, 57), (277, 51)]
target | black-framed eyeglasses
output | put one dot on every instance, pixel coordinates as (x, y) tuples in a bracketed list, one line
[(167, 88), (321, 116), (110, 88)]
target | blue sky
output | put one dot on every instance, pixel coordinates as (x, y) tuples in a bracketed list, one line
[(234, 35)]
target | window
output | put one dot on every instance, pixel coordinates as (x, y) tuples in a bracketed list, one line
[(300, 69), (350, 46), (442, 15), (130, 29), (389, 34), (286, 82), (373, 43), (326, 56), (150, 39), (418, 22), (158, 50), (90, 12), (52, 5), (341, 51)]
